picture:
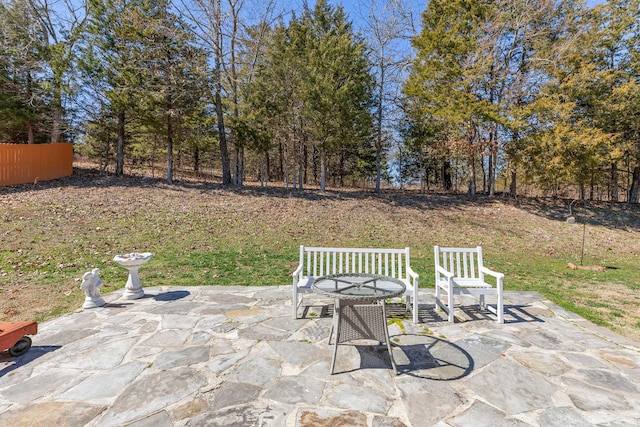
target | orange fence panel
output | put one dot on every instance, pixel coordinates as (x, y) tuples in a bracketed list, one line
[(29, 163)]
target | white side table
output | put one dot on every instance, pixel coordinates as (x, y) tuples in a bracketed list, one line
[(132, 262)]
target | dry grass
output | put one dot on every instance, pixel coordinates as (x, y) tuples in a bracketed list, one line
[(204, 234)]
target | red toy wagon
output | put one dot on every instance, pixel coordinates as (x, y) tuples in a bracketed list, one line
[(13, 337)]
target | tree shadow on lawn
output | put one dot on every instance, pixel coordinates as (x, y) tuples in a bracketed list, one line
[(615, 215), (608, 214)]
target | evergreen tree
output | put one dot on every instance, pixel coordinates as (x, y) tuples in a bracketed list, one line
[(313, 90), (444, 84), (337, 87), (140, 61)]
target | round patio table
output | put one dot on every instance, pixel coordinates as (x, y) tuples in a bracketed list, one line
[(359, 307)]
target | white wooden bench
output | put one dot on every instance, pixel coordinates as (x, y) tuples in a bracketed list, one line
[(461, 271), (316, 262)]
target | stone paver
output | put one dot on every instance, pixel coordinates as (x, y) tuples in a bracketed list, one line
[(232, 356)]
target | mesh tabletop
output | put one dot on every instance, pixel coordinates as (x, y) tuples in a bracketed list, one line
[(354, 286)]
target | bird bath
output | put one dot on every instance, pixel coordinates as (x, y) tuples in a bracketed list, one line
[(132, 262)]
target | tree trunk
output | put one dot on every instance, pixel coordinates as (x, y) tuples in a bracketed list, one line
[(445, 173), (233, 82), (342, 169), (238, 165), (224, 153), (280, 162), (614, 182), (492, 175), (264, 171), (379, 132), (634, 190), (472, 175), (314, 167), (323, 170), (485, 173), (30, 136), (305, 163), (120, 145), (301, 163), (512, 185), (56, 124), (267, 166), (196, 160), (169, 142)]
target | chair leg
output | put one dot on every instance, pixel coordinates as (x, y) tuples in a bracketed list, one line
[(386, 334), (334, 323), (500, 309), (450, 304), (295, 307)]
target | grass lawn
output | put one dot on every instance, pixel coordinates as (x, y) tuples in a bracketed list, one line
[(202, 234)]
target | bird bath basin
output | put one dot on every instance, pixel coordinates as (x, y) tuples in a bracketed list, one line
[(132, 262)]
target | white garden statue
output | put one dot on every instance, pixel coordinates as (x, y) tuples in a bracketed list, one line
[(91, 286)]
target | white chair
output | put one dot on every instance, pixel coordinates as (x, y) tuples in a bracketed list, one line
[(461, 271)]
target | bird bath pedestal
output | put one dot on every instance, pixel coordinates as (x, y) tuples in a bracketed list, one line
[(132, 262)]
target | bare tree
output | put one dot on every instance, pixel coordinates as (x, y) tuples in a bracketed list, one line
[(208, 19), (221, 28), (388, 25)]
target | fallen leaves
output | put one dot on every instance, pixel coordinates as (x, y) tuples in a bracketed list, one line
[(67, 265)]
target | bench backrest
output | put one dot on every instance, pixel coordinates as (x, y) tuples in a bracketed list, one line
[(464, 263), (322, 261)]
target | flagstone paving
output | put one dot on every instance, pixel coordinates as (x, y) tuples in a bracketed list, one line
[(232, 356)]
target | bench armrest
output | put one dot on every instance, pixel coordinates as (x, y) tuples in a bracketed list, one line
[(495, 274)]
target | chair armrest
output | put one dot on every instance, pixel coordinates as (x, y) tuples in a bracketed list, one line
[(412, 274), (297, 272), (495, 274), (445, 273)]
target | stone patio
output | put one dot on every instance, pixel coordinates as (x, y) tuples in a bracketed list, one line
[(232, 356)]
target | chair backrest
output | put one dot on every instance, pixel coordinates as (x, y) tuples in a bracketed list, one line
[(464, 263), (319, 261)]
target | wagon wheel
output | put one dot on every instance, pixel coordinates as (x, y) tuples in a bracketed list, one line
[(21, 347)]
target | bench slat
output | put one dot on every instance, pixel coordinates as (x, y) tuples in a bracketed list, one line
[(323, 261)]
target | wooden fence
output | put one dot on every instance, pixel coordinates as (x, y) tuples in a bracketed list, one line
[(29, 163)]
